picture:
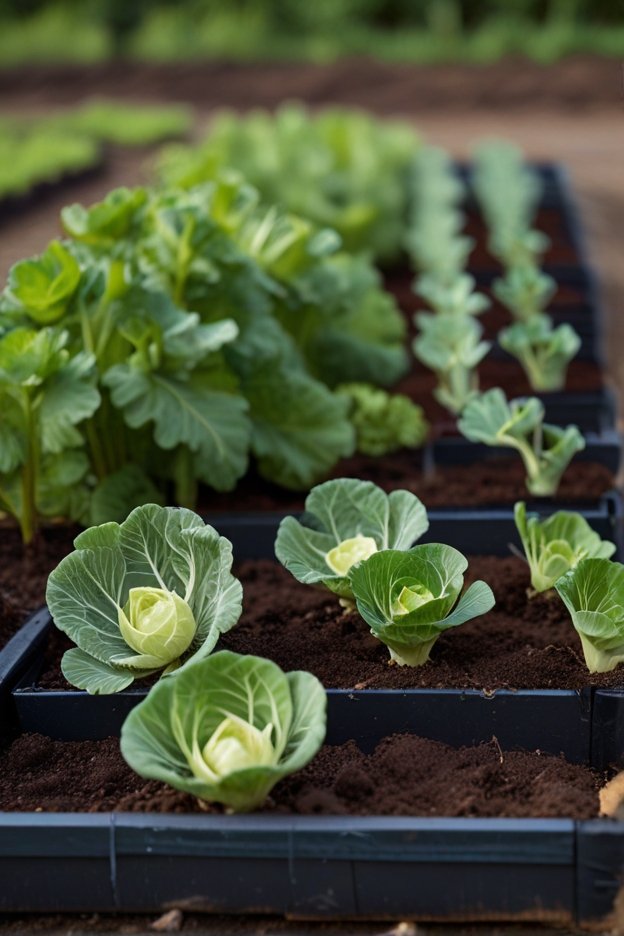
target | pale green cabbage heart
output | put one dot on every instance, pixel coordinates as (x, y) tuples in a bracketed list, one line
[(158, 624), (226, 728)]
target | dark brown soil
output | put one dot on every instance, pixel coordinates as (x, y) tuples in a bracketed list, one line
[(577, 82), (404, 776), (491, 483), (24, 573), (520, 644)]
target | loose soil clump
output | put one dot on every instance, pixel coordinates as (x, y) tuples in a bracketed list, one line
[(404, 776)]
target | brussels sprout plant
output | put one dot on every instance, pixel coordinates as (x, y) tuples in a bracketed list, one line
[(142, 597), (226, 729), (557, 544), (451, 346), (593, 593), (409, 598), (345, 521), (545, 450), (543, 351)]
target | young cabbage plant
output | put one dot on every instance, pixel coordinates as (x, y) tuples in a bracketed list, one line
[(546, 450), (451, 346), (383, 422), (346, 521), (593, 593), (557, 544), (456, 297), (408, 599), (518, 248), (142, 597), (226, 729), (543, 351), (525, 291)]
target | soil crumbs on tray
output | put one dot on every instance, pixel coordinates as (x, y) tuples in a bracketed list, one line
[(520, 644), (404, 776)]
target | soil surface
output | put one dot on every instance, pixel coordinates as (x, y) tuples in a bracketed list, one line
[(490, 483), (404, 776), (24, 572), (576, 83), (520, 644)]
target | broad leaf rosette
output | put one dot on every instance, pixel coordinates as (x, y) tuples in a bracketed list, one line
[(556, 545), (345, 522), (593, 593), (226, 729), (142, 597), (409, 598)]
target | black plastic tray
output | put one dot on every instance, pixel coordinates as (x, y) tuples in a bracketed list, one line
[(443, 869), (22, 646), (440, 869), (553, 720)]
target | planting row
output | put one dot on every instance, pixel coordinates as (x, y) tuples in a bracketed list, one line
[(237, 340), (155, 595)]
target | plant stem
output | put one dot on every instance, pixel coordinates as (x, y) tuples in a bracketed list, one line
[(28, 516), (184, 478)]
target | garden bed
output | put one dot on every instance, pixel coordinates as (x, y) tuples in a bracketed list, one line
[(337, 862)]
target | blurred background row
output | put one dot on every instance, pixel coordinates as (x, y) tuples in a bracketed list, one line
[(476, 31)]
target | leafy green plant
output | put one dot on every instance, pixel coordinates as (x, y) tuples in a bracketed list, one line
[(546, 450), (46, 395), (525, 291), (409, 598), (142, 597), (543, 351), (451, 346), (126, 125), (217, 329), (593, 593), (383, 422), (507, 189), (338, 168), (226, 729), (456, 297), (345, 521), (557, 544), (518, 249)]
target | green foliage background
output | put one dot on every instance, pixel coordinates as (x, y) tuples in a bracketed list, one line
[(400, 30)]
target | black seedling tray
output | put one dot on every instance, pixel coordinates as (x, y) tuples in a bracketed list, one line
[(604, 449), (551, 871), (553, 720), (22, 646), (318, 867)]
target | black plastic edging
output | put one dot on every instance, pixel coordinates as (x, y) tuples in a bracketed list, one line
[(604, 449), (328, 867), (23, 646)]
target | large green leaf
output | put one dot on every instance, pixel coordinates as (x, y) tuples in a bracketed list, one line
[(340, 510), (164, 735), (44, 286), (157, 547), (299, 428), (214, 425), (69, 397)]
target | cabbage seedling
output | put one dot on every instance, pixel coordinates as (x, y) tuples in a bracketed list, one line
[(593, 593), (557, 544), (525, 291), (519, 424), (451, 346), (456, 297), (226, 729), (409, 598), (346, 521), (543, 351), (383, 422), (142, 597)]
